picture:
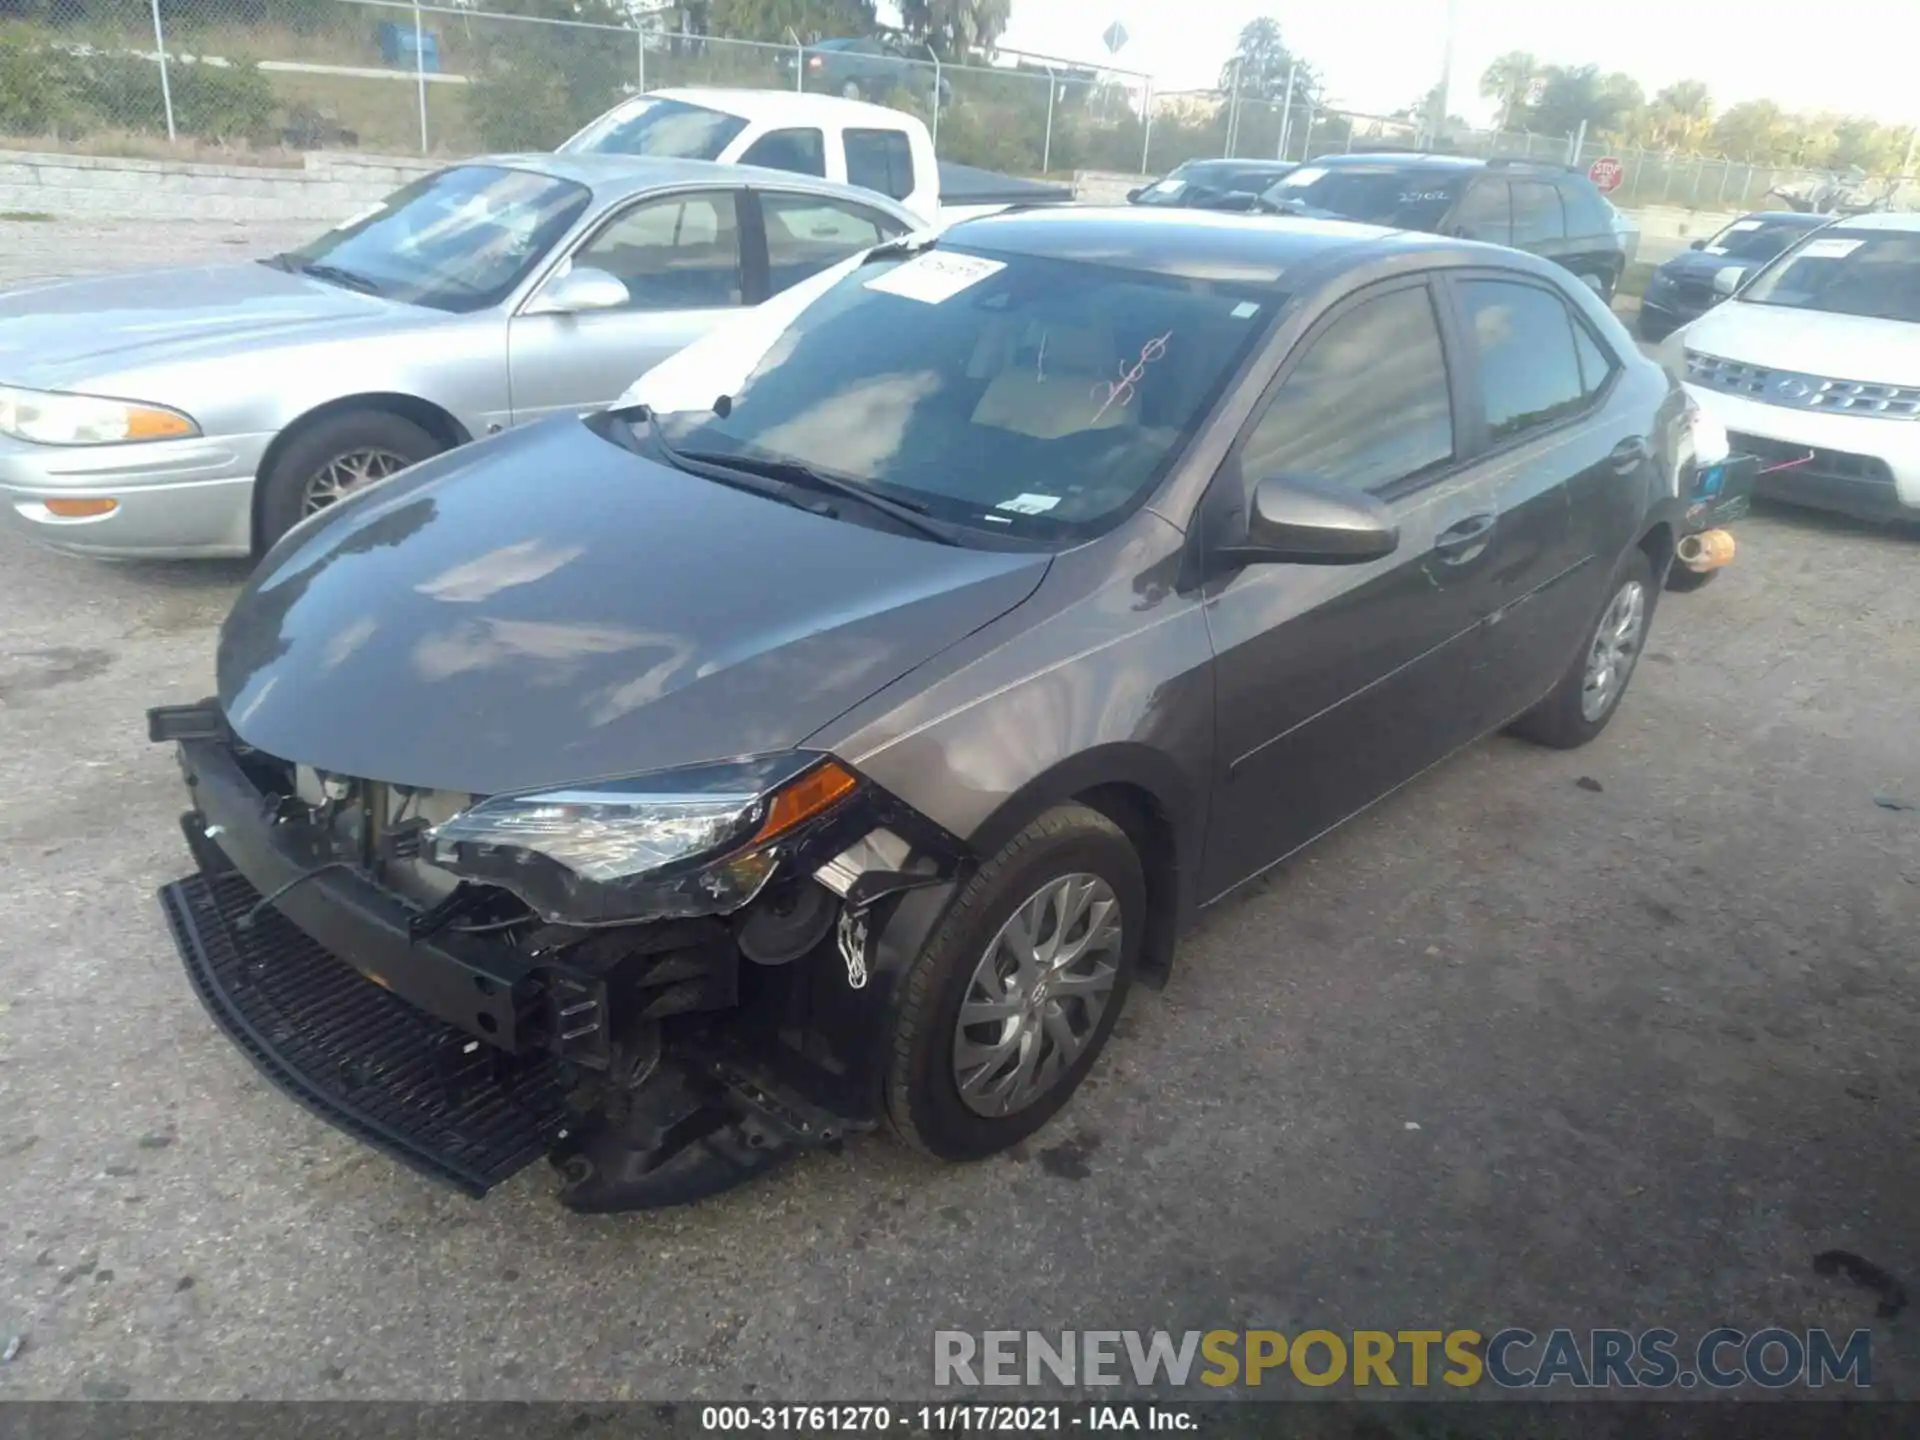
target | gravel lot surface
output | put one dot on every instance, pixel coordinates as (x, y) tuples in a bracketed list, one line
[(1622, 1037)]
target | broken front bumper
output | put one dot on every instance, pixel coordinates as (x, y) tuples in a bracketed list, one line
[(416, 1088), (468, 1057)]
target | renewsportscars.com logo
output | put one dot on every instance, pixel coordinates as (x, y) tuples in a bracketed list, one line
[(1512, 1359)]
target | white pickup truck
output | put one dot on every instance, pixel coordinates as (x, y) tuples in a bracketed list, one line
[(849, 141)]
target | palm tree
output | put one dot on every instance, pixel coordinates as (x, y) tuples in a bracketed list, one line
[(956, 27), (1512, 80)]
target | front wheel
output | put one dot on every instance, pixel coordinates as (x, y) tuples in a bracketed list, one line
[(331, 459), (1579, 707), (1005, 1010), (850, 90)]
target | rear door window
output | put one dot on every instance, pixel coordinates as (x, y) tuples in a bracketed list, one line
[(1530, 372), (803, 152), (1368, 404), (1587, 213), (808, 233), (1486, 213), (1537, 215), (880, 160)]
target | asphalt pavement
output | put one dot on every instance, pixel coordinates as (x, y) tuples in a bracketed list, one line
[(1619, 1037)]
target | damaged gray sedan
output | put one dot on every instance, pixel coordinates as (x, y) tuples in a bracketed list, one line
[(831, 733)]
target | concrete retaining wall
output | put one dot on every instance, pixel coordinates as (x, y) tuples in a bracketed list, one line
[(329, 186), (326, 187)]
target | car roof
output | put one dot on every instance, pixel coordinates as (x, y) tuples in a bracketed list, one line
[(1252, 166), (1786, 216), (779, 107), (1198, 244), (1901, 221), (614, 177)]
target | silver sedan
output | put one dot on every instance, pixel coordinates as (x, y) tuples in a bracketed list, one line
[(204, 411)]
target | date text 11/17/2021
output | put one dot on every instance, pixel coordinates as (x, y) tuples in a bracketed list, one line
[(944, 1419)]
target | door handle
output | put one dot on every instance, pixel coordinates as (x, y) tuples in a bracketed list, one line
[(1629, 454), (1464, 539)]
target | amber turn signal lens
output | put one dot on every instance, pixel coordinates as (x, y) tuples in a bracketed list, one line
[(813, 793), (80, 509), (156, 424)]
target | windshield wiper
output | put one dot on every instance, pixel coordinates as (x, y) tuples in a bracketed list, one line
[(899, 249), (734, 479), (350, 279), (907, 513)]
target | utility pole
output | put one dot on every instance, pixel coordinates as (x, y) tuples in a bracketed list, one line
[(1437, 121)]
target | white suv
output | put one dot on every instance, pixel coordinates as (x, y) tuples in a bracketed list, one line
[(1813, 364)]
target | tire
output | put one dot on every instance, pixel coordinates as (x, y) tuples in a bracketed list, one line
[(1683, 581), (1650, 329), (1066, 847), (850, 90), (299, 476), (1565, 720), (1603, 285)]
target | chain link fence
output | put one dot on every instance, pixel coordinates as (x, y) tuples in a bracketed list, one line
[(267, 79)]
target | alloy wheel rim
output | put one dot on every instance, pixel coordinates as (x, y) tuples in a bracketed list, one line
[(1615, 648), (344, 474), (1037, 995)]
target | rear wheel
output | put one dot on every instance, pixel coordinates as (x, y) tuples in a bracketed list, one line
[(1579, 707), (1007, 1007), (331, 459), (850, 90)]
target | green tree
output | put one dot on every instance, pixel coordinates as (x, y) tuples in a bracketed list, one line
[(1260, 63), (1681, 116), (774, 19), (535, 84), (1576, 95), (956, 28), (1757, 131), (1512, 80)]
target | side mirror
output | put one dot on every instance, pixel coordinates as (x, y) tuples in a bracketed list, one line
[(1727, 279), (581, 288), (1135, 193), (1699, 244), (1303, 520)]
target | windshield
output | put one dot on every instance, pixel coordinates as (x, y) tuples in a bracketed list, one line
[(1874, 273), (1186, 183), (667, 129), (1012, 394), (459, 239), (1377, 194), (1756, 239)]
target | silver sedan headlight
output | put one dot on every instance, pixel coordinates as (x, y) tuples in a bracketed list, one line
[(49, 417)]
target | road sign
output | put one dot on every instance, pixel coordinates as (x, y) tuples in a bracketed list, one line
[(1114, 37), (1607, 173)]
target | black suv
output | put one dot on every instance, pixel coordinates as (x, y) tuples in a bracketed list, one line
[(1552, 211)]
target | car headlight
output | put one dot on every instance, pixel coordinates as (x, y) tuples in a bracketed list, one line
[(699, 841), (48, 417)]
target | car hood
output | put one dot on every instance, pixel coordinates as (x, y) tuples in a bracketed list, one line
[(1810, 342), (547, 607), (58, 335), (1698, 265)]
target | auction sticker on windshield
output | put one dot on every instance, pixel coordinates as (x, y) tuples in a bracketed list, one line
[(934, 277), (1829, 248)]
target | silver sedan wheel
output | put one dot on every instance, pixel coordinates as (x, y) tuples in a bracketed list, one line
[(1616, 646), (346, 473), (1037, 995)]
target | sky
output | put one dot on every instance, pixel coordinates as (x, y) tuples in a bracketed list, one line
[(1378, 56)]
